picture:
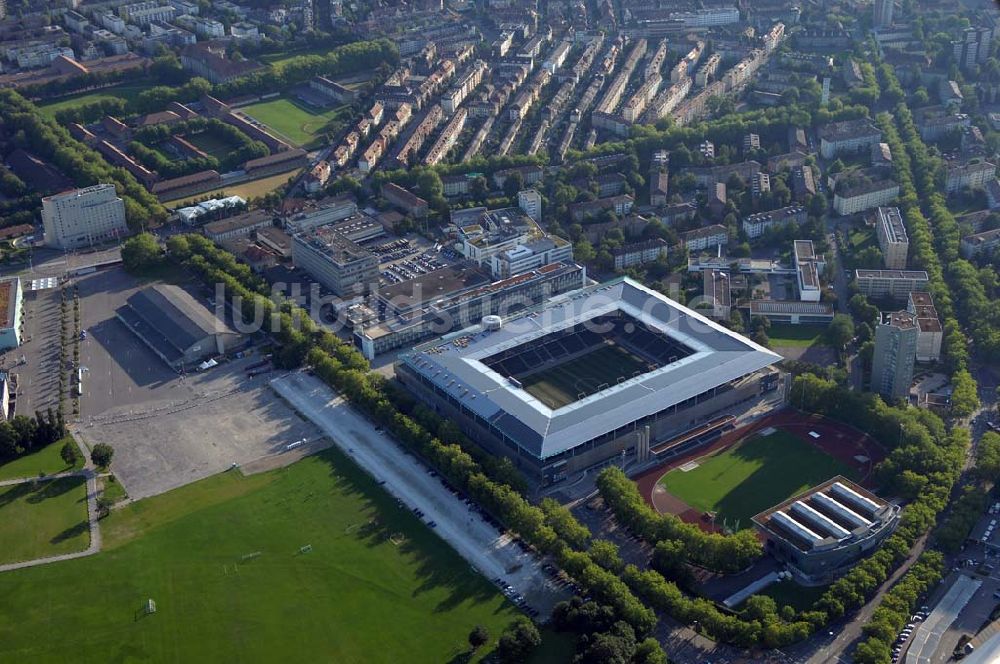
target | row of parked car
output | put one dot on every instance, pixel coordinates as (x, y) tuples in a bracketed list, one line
[(907, 632)]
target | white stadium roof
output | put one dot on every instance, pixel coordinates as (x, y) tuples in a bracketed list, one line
[(455, 365)]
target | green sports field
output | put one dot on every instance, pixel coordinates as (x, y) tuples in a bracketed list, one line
[(46, 518), (752, 475), (564, 383), (297, 122), (377, 586)]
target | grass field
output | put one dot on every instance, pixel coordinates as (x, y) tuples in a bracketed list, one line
[(44, 518), (563, 384), (125, 91), (297, 122), (785, 335), (357, 596), (246, 190), (753, 475), (45, 460), (792, 594)]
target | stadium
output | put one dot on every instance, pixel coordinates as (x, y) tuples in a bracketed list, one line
[(605, 373)]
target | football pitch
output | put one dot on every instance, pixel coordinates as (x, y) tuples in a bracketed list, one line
[(564, 383), (753, 475), (296, 121), (223, 560)]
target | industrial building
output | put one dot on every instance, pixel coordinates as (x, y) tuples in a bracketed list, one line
[(657, 369), (822, 532), (177, 327)]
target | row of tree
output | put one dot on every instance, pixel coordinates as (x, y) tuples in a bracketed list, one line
[(722, 553), (896, 608), (44, 137), (22, 435)]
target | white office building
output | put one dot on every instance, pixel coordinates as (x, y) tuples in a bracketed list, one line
[(83, 217)]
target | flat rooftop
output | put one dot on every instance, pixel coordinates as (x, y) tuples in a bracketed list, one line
[(918, 275), (430, 286)]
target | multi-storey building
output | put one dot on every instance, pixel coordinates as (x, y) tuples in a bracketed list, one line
[(865, 196), (897, 284), (895, 354), (929, 330), (83, 217), (757, 224), (892, 239), (847, 137), (973, 175), (335, 261), (638, 253)]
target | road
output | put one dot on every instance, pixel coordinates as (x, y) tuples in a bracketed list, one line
[(92, 517), (491, 552)]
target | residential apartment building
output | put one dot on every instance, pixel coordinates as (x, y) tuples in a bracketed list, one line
[(848, 137), (897, 284), (892, 239), (929, 330), (895, 354), (986, 241), (639, 253), (973, 175), (83, 217), (755, 225), (700, 239), (404, 200), (865, 196)]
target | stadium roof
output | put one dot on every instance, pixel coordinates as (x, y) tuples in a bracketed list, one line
[(455, 365)]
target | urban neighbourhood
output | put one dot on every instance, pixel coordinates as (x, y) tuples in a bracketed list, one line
[(517, 331)]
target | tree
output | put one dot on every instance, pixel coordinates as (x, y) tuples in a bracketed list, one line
[(512, 184), (964, 397), (479, 188), (478, 637), (605, 554), (101, 455), (69, 453), (518, 641), (141, 253), (841, 331)]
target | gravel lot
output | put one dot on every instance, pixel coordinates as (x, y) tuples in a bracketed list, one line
[(486, 549)]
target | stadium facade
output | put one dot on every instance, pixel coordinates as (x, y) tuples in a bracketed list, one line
[(820, 533), (609, 372)]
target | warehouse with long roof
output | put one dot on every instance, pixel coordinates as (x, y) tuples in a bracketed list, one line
[(178, 328)]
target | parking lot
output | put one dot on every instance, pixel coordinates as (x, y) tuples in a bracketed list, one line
[(521, 575), (36, 362), (168, 429)]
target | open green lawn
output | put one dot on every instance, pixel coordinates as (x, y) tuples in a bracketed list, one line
[(45, 460), (786, 335), (358, 596), (564, 383), (44, 518), (294, 120), (753, 475), (127, 91), (210, 143)]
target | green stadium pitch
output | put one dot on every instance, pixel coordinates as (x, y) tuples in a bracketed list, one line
[(582, 376), (756, 473)]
